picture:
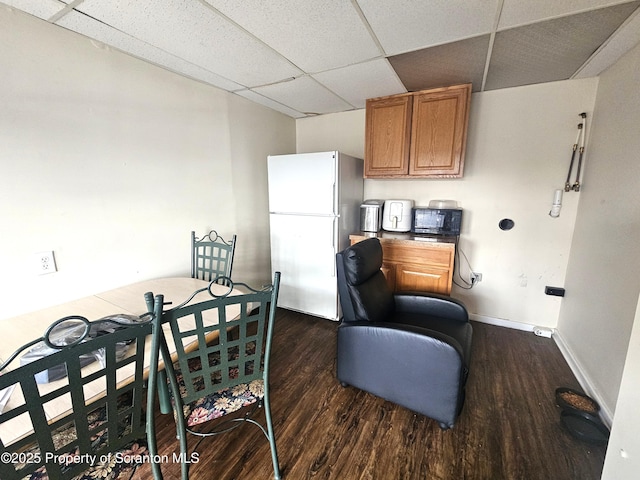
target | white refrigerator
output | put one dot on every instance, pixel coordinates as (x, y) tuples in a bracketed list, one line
[(314, 204)]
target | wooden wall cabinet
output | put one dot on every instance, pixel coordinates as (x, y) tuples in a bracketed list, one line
[(415, 265), (388, 136), (420, 134)]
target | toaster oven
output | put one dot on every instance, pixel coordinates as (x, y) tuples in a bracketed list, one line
[(436, 221)]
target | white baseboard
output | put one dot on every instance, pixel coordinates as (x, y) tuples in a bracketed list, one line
[(501, 322), (574, 365), (605, 412)]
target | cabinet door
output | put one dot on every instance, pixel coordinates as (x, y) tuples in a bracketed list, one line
[(439, 132), (387, 136), (424, 278)]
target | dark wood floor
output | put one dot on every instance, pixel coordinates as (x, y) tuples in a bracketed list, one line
[(509, 428)]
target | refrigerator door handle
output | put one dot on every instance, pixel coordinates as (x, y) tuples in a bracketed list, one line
[(334, 240)]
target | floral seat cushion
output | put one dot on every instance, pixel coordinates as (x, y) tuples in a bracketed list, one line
[(116, 465), (225, 401)]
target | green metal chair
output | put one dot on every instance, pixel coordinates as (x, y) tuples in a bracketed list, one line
[(218, 385), (104, 435), (211, 256)]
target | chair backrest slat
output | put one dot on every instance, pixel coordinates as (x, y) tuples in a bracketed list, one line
[(222, 342), (211, 256), (221, 360), (94, 426)]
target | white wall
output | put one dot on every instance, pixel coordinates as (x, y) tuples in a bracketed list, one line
[(623, 452), (518, 153), (596, 319), (111, 162)]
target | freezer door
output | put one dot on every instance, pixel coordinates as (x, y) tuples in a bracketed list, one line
[(303, 183), (302, 248)]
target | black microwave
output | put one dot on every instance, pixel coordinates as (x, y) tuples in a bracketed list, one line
[(436, 221)]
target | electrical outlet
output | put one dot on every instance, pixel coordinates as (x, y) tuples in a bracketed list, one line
[(475, 277), (44, 263)]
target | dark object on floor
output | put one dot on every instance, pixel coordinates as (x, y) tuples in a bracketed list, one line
[(570, 399), (580, 417), (410, 348), (585, 427)]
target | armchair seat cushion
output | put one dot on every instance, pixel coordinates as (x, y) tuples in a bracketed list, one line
[(460, 333)]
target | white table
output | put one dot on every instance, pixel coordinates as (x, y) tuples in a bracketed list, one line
[(129, 299)]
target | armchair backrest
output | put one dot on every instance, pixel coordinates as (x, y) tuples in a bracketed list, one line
[(364, 293)]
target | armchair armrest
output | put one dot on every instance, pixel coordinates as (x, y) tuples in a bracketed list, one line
[(431, 304), (415, 367), (387, 332)]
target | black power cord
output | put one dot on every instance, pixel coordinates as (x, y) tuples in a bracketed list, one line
[(466, 285)]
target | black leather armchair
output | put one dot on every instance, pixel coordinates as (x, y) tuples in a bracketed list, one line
[(412, 349)]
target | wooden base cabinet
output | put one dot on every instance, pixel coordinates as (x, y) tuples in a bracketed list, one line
[(422, 278), (414, 265)]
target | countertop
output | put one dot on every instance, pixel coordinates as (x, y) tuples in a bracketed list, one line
[(435, 240)]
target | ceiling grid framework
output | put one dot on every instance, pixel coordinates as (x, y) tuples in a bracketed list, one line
[(310, 57)]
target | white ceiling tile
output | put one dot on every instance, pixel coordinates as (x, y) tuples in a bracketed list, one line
[(305, 95), (356, 83), (314, 35), (324, 56), (103, 33), (406, 25), (517, 12), (192, 31), (625, 39), (44, 9), (267, 102)]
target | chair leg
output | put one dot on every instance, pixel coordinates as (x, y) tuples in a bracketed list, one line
[(181, 435), (271, 437), (164, 397), (153, 450)]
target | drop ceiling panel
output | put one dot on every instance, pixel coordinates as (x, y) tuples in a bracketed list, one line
[(325, 56), (625, 39), (192, 31), (405, 25), (305, 95), (450, 64), (85, 25), (39, 8), (517, 12), (551, 50), (356, 83), (267, 102), (314, 35)]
